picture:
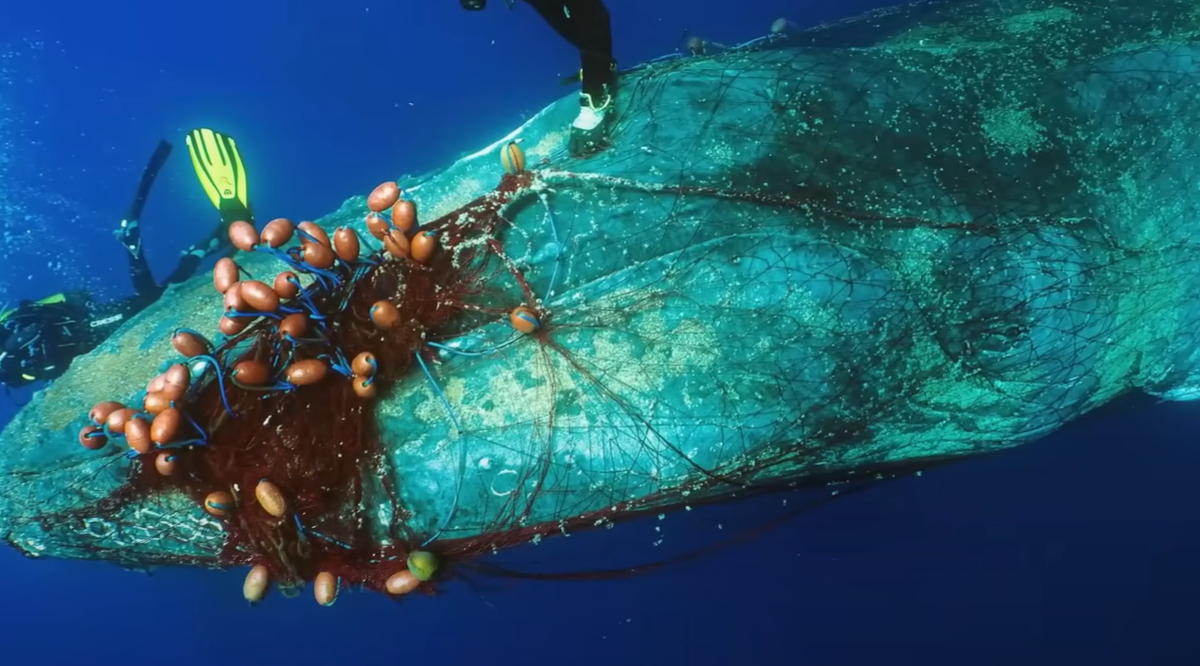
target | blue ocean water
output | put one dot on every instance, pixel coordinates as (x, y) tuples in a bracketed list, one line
[(1076, 549)]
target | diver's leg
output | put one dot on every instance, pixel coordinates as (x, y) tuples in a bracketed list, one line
[(192, 257), (185, 268), (594, 42), (586, 25), (139, 269)]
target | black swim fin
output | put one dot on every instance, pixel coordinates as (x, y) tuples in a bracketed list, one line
[(157, 160)]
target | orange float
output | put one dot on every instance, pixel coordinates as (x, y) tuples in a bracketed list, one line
[(219, 503), (377, 225), (255, 586), (397, 244), (270, 498), (384, 314), (243, 235), (512, 157), (325, 588), (189, 344), (315, 231), (166, 463), (250, 373), (287, 284), (346, 245), (307, 372), (118, 418), (278, 232), (364, 387), (100, 413), (317, 255), (225, 273), (92, 437), (423, 245), (363, 365), (164, 427), (524, 320), (383, 196), (233, 325), (404, 215), (294, 326), (401, 582)]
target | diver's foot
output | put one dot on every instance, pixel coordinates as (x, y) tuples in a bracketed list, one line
[(130, 236), (589, 132)]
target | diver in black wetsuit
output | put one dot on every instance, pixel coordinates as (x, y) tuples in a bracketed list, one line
[(585, 24), (38, 339)]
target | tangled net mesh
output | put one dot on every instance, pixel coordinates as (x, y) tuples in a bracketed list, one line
[(793, 266)]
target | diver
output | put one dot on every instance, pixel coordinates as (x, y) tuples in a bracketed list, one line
[(38, 339), (585, 24)]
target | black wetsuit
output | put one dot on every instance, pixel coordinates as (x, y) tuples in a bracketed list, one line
[(585, 24)]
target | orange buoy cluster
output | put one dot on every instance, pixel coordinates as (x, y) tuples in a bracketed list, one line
[(162, 425), (364, 367), (395, 227), (316, 253), (159, 424), (296, 351), (160, 420)]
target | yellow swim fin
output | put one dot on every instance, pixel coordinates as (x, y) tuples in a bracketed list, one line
[(222, 174)]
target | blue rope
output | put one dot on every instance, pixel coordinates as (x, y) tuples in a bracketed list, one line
[(220, 380), (313, 312), (110, 434), (306, 236), (251, 314), (199, 430), (304, 530), (277, 386), (337, 363), (293, 261), (181, 444)]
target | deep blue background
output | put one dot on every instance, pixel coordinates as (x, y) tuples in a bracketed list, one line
[(1079, 549)]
